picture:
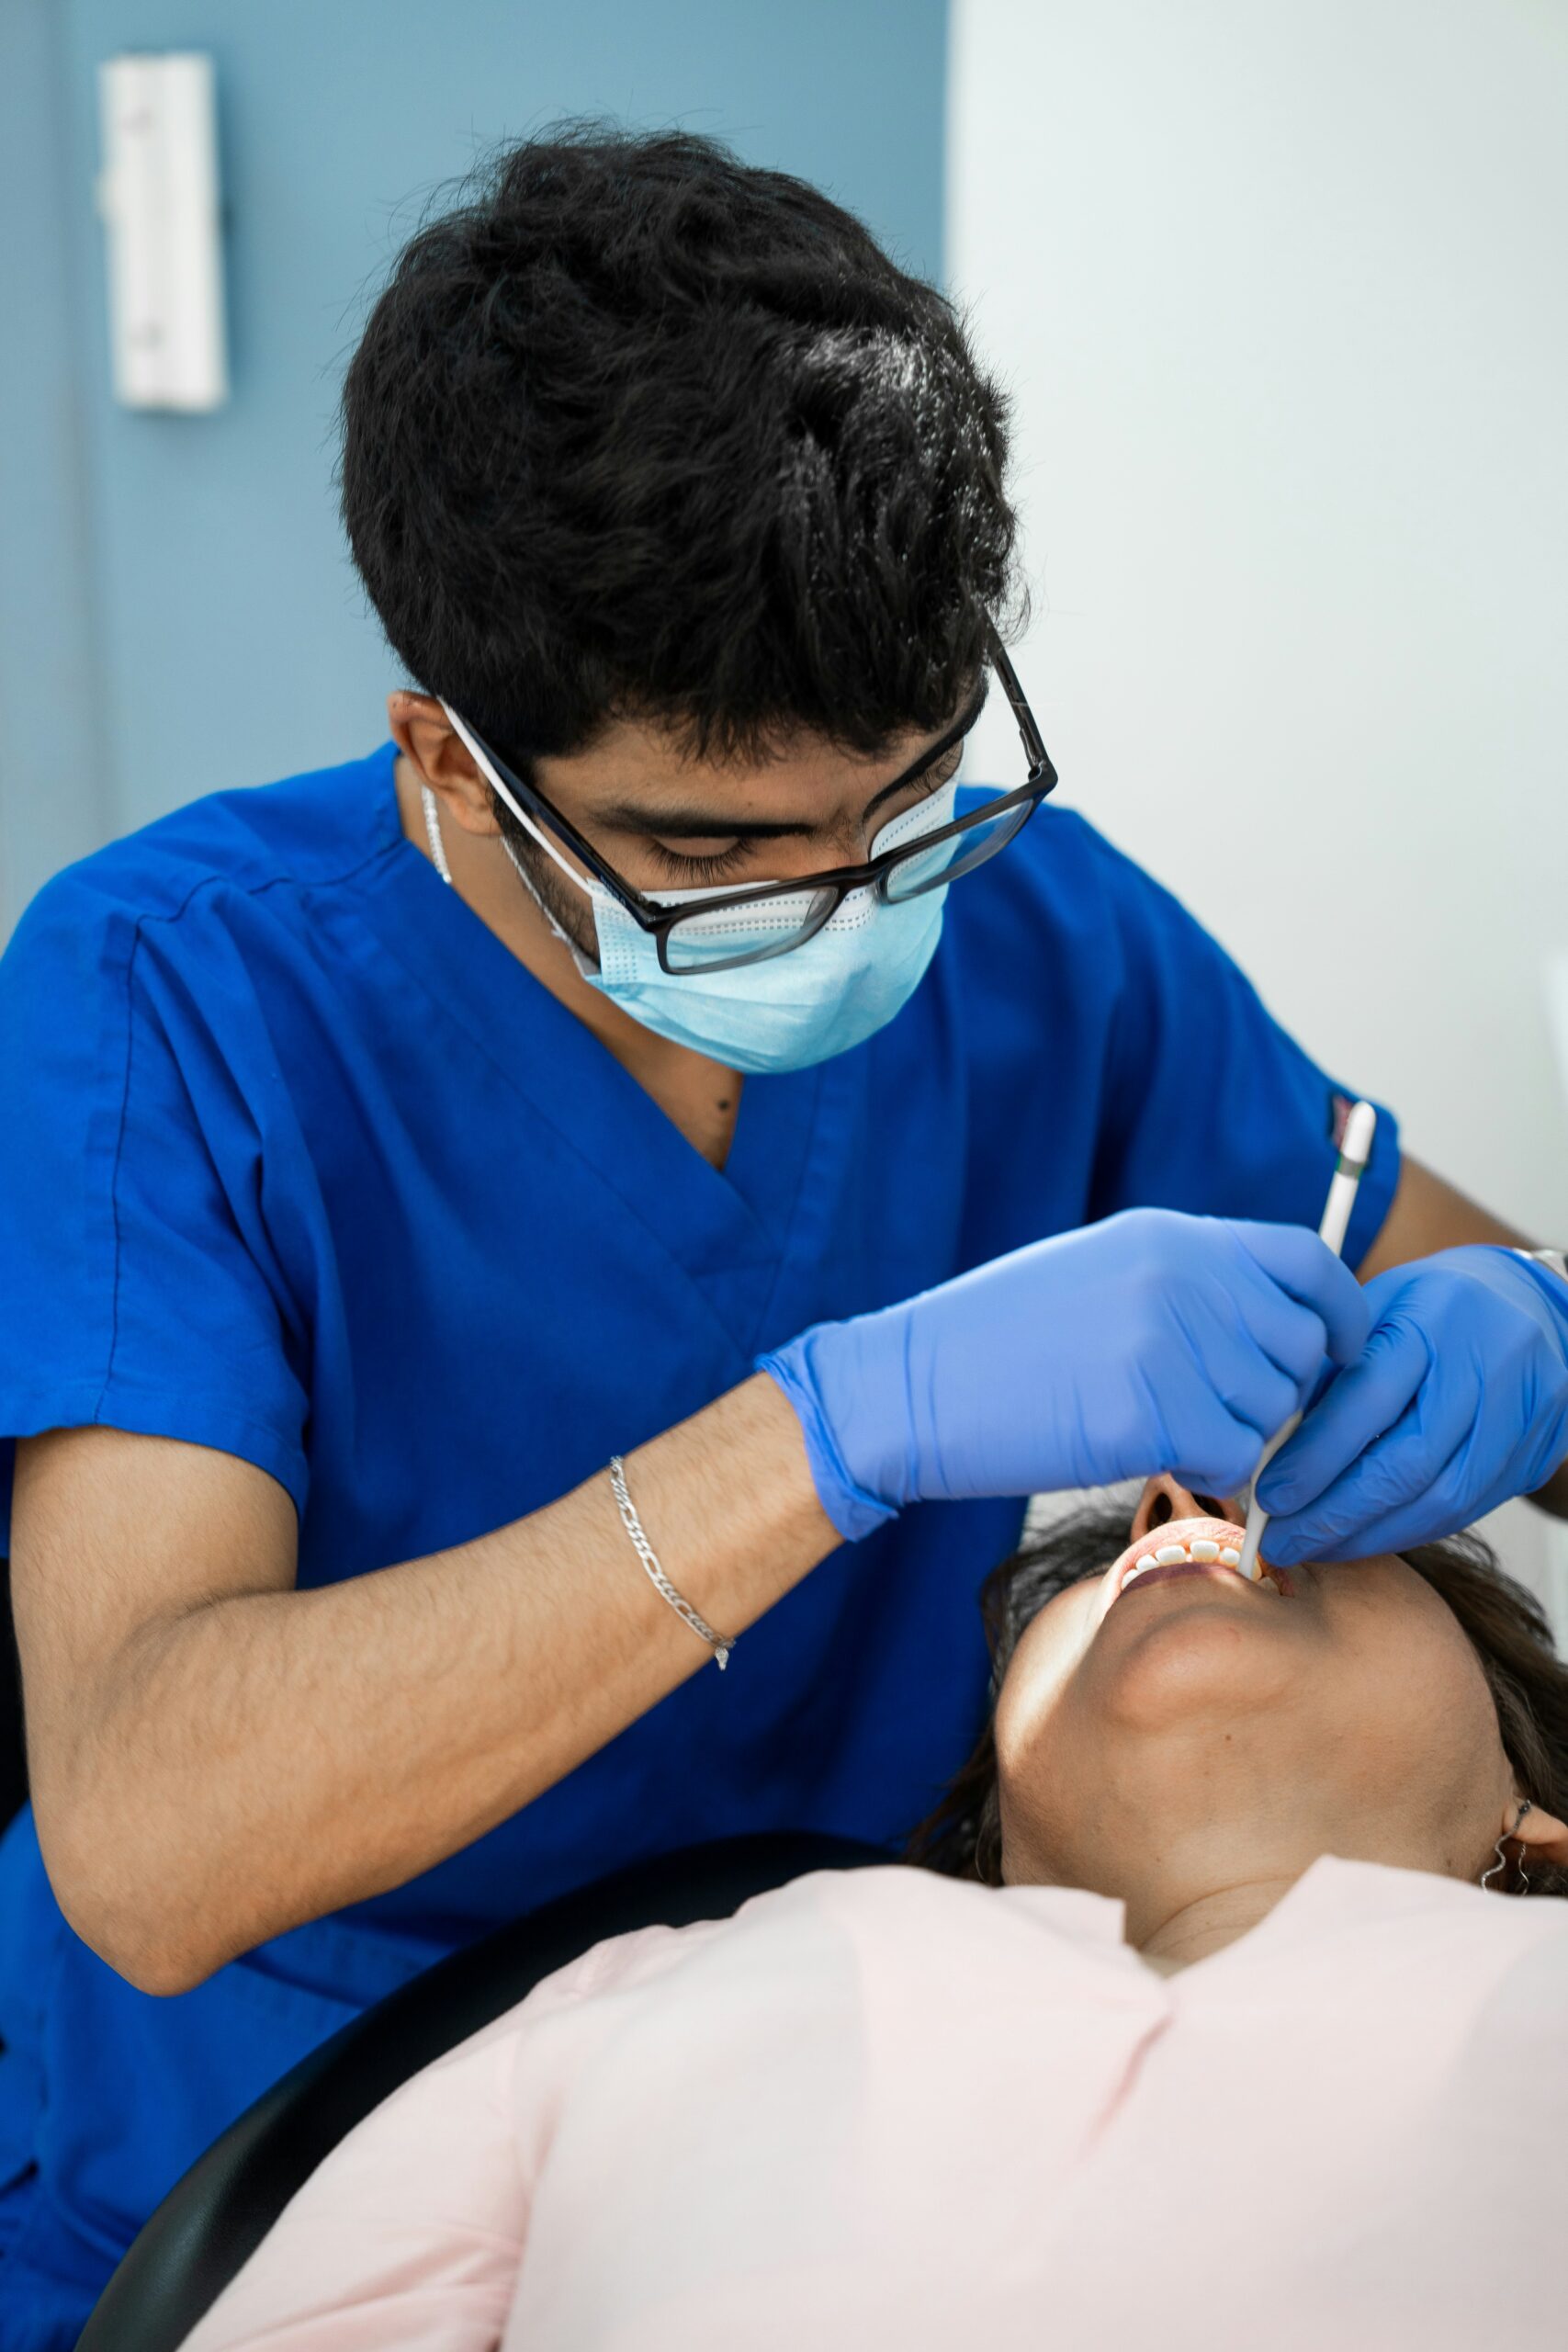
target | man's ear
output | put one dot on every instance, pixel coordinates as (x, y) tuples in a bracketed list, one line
[(440, 758), (1542, 1834)]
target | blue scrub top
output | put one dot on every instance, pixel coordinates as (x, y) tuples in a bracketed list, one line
[(299, 1161)]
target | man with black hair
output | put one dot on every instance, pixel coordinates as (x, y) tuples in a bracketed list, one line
[(482, 1226)]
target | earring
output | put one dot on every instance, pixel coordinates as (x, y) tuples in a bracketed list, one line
[(1502, 1862)]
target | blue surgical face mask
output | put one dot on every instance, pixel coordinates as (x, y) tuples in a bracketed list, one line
[(820, 999)]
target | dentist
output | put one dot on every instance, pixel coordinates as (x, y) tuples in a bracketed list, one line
[(490, 1228)]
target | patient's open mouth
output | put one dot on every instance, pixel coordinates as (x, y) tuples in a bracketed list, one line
[(1185, 1547)]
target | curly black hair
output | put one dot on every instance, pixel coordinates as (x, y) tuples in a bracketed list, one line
[(1505, 1625), (641, 431)]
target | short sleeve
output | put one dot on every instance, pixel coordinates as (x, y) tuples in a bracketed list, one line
[(140, 1286), (1209, 1106)]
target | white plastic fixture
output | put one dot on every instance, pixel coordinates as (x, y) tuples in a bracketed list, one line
[(158, 195)]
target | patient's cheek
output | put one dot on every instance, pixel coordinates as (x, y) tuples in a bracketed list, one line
[(1037, 1759), (1036, 1681), (1015, 1719)]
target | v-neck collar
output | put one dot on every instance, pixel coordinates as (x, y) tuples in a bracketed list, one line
[(1332, 1890), (715, 1221)]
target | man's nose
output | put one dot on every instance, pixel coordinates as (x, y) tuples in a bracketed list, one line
[(1166, 1498)]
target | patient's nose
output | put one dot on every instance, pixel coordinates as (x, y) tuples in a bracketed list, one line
[(1166, 1498)]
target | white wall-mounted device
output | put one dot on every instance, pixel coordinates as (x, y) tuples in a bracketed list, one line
[(158, 195)]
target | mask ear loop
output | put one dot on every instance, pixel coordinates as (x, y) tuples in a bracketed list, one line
[(477, 754)]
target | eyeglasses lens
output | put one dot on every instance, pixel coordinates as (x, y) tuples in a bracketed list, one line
[(732, 935), (928, 868)]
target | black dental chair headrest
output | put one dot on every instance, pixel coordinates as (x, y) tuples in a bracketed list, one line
[(214, 2219)]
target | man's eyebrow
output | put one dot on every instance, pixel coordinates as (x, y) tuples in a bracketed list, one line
[(707, 824)]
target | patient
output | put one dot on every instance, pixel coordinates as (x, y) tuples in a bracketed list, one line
[(1198, 2029)]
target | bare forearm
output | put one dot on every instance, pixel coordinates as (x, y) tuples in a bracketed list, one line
[(1553, 1496), (273, 1756)]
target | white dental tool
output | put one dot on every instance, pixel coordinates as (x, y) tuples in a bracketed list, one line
[(1354, 1150)]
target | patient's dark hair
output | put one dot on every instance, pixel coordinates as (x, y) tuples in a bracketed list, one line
[(639, 430), (1505, 1625)]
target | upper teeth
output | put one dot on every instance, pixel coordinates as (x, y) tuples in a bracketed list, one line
[(1203, 1548)]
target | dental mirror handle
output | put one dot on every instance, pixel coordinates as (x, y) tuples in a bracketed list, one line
[(1354, 1150)]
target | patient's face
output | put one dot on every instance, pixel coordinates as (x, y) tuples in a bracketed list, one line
[(1334, 1708)]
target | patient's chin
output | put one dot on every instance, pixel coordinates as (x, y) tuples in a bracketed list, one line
[(1188, 1657)]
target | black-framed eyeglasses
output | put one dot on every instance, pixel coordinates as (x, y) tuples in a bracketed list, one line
[(706, 937)]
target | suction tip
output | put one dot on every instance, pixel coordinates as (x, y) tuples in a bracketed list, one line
[(1257, 1520)]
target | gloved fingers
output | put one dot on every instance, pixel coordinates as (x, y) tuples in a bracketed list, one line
[(1247, 1360), (1256, 1395), (1346, 1525), (1399, 1531), (1218, 1448), (1307, 1269), (1416, 1477), (1355, 1411), (1291, 1337), (1434, 1493)]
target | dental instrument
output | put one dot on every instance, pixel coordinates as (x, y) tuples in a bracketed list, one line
[(1354, 1150)]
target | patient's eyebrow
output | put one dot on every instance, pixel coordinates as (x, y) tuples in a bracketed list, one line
[(708, 824)]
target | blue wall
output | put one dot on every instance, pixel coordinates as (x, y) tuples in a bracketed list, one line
[(213, 605), (55, 801)]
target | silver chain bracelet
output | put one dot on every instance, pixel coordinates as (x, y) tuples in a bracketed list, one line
[(720, 1644)]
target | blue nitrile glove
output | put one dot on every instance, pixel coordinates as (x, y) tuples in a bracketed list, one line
[(1460, 1401), (1151, 1341)]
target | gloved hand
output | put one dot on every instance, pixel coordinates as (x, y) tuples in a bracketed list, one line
[(1151, 1341), (1460, 1401)]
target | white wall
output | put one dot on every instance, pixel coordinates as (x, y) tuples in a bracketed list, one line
[(1279, 287)]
